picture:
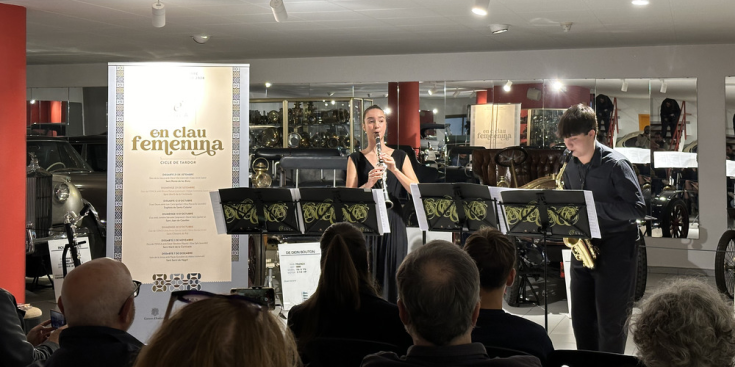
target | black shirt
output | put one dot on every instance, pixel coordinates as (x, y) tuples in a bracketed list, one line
[(614, 185), (92, 346), (456, 355), (498, 328)]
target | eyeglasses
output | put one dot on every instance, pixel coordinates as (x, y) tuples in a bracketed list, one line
[(135, 293), (192, 296)]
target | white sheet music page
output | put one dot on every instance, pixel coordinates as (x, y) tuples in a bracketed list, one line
[(592, 214), (381, 211), (296, 196), (219, 214), (419, 205), (495, 194)]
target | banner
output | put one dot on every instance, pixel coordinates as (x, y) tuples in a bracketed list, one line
[(176, 137), (495, 125)]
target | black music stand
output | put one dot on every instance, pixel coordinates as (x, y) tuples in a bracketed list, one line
[(454, 207), (321, 207), (260, 210), (547, 214)]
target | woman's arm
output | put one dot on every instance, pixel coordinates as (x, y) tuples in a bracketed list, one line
[(406, 176)]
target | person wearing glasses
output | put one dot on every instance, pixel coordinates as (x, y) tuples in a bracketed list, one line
[(210, 330), (346, 304), (98, 303)]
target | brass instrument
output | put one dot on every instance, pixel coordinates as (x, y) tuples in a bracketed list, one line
[(384, 180), (583, 250)]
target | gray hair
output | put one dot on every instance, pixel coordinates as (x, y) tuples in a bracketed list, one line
[(685, 323), (439, 285)]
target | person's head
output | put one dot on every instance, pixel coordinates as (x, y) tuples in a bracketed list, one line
[(578, 128), (647, 130), (100, 292), (657, 136), (438, 293), (373, 121), (495, 256), (220, 332), (685, 323)]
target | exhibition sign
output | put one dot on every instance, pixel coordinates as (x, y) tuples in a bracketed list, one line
[(495, 125), (176, 137), (300, 270), (56, 251)]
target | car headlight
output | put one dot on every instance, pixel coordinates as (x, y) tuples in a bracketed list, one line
[(61, 191)]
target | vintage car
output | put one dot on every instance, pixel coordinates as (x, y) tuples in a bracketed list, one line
[(59, 181)]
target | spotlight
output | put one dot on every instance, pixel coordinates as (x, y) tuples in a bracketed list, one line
[(33, 101), (498, 28), (481, 7), (507, 85), (159, 14), (624, 87), (456, 93), (639, 2), (279, 10), (200, 39), (268, 84), (557, 86), (387, 110), (663, 86), (431, 91), (566, 27), (330, 94), (435, 111), (333, 102), (368, 95)]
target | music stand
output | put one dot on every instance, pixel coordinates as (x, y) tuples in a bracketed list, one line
[(259, 210), (549, 214), (321, 207), (454, 207)]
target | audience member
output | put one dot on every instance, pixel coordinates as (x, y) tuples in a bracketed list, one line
[(495, 256), (439, 302), (644, 140), (220, 332), (345, 303), (685, 323), (98, 303), (18, 349)]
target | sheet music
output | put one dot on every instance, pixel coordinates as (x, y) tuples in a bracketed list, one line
[(382, 211), (420, 213), (674, 160), (592, 214), (296, 196), (636, 155), (495, 193), (219, 214), (730, 166)]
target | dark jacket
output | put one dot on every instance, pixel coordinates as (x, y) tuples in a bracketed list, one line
[(614, 185), (15, 350), (671, 112), (92, 346), (455, 355), (498, 328)]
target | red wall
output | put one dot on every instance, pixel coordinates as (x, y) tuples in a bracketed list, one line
[(564, 98), (13, 141)]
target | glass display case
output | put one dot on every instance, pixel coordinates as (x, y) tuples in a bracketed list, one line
[(307, 123), (541, 126)]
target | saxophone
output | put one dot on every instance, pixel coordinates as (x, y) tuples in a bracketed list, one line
[(583, 250), (384, 180)]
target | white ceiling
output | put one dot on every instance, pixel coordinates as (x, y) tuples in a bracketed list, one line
[(91, 31)]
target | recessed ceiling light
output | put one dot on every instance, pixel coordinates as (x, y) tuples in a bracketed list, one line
[(639, 2), (481, 7), (498, 28), (267, 84)]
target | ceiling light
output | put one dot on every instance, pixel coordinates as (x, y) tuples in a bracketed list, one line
[(507, 85), (268, 84), (566, 26), (159, 14), (333, 102), (639, 2), (386, 95), (624, 87), (435, 111), (557, 86), (330, 94), (481, 7), (663, 86), (387, 110), (456, 93), (279, 10), (200, 39), (368, 95), (498, 28), (431, 91), (33, 101)]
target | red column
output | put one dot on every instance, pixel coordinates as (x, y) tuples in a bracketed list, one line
[(13, 143), (490, 95), (55, 111), (408, 114), (392, 118), (481, 97)]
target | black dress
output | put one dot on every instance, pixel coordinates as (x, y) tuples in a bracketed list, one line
[(387, 254)]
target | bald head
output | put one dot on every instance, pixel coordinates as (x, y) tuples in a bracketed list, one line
[(95, 292)]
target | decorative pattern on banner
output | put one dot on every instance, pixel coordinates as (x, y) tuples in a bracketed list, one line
[(235, 148), (176, 282), (119, 138)]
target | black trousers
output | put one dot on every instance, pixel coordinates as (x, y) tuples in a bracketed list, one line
[(602, 298), (668, 124)]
